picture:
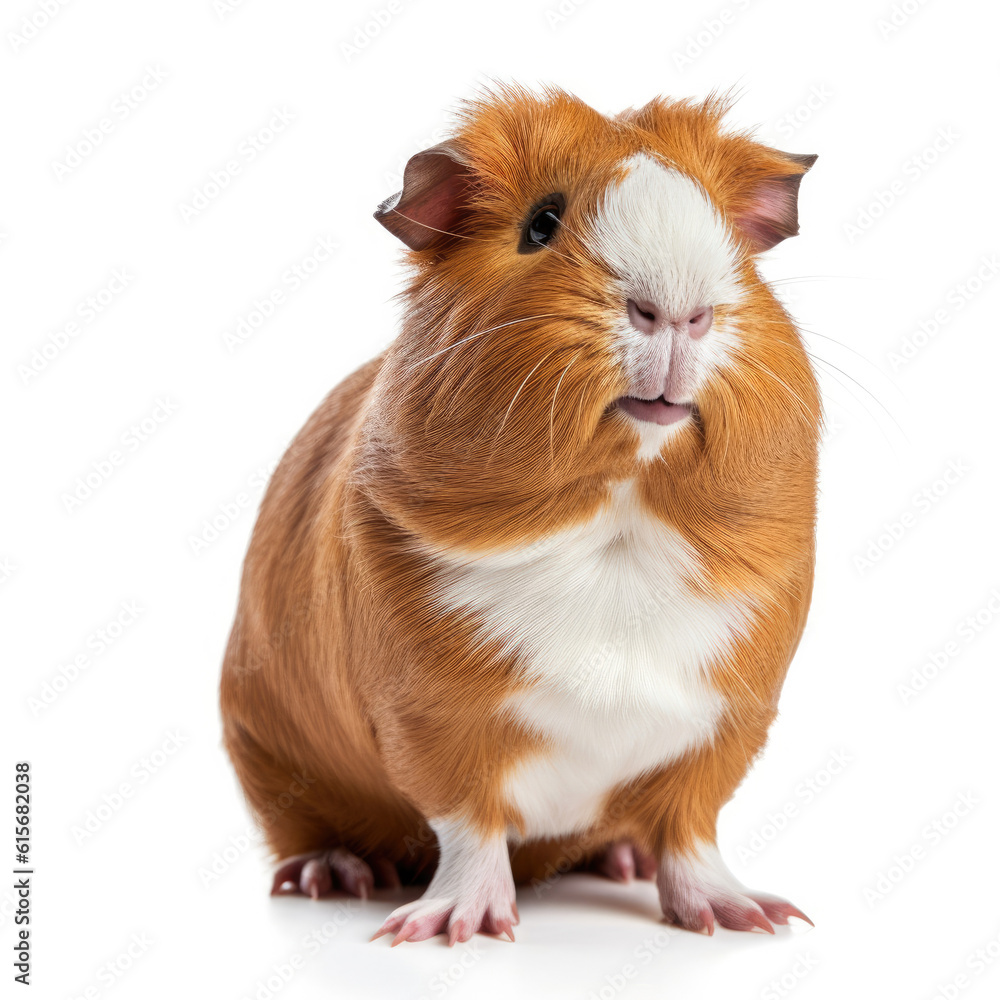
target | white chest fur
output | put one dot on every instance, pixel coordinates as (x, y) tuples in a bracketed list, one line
[(607, 624)]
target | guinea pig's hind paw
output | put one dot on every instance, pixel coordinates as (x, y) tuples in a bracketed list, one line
[(319, 873), (623, 861)]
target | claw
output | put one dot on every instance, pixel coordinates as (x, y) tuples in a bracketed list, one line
[(384, 929), (758, 919), (505, 930), (352, 873), (321, 872), (779, 910), (471, 891), (403, 935), (316, 879), (420, 920), (459, 931), (390, 925)]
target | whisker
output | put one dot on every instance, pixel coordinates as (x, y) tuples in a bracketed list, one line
[(552, 410), (861, 386), (825, 336), (479, 333), (564, 256), (813, 277), (825, 361), (767, 371), (840, 343), (503, 423), (417, 222), (579, 405), (725, 441), (861, 402), (583, 243), (847, 347)]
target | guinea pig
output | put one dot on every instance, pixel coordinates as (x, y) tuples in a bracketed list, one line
[(522, 593)]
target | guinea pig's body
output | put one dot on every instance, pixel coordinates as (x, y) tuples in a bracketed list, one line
[(532, 578)]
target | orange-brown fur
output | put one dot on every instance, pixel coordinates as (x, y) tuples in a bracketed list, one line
[(339, 668)]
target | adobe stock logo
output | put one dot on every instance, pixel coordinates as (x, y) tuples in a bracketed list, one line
[(129, 442), (250, 147), (912, 170), (954, 301), (921, 503), (30, 25), (711, 29), (87, 311), (370, 29), (124, 105)]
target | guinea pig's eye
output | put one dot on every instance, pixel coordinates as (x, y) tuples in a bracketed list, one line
[(543, 220)]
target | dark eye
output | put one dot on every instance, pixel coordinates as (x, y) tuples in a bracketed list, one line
[(543, 221)]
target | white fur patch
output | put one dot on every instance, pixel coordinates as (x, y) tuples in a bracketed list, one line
[(607, 624), (689, 883), (472, 886), (652, 437), (471, 869), (662, 237), (658, 230), (691, 876)]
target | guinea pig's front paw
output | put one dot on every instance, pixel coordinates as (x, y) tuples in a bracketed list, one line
[(459, 918), (472, 890), (697, 890)]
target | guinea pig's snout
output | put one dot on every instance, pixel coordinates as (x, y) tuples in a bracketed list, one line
[(646, 317)]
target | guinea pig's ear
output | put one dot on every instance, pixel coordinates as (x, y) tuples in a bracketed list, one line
[(433, 199), (768, 213)]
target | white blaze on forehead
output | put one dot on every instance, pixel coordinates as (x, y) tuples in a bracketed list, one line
[(658, 230)]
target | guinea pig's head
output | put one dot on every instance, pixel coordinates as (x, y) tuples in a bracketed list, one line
[(584, 307)]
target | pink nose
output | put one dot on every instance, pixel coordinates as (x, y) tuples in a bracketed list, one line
[(648, 318)]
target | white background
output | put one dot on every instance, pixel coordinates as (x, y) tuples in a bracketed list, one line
[(900, 908)]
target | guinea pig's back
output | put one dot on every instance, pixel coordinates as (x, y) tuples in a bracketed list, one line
[(293, 524), (302, 752)]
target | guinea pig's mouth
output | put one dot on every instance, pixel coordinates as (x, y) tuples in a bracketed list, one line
[(654, 411)]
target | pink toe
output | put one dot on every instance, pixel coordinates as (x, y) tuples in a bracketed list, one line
[(422, 928), (315, 880), (504, 929), (758, 919), (459, 931), (618, 862), (404, 935), (288, 872), (353, 874), (645, 864), (392, 924)]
